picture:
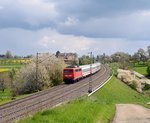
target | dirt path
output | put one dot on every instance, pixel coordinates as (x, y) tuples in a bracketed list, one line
[(130, 113)]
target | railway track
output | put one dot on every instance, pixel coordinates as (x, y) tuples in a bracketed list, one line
[(22, 107)]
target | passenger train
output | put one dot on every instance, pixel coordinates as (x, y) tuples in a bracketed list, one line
[(73, 74)]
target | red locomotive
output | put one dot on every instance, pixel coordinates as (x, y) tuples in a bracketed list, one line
[(77, 73)]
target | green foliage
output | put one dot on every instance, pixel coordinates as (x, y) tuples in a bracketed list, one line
[(146, 86), (12, 73), (123, 65), (114, 66), (133, 85), (141, 70), (148, 67), (4, 81), (2, 85), (104, 58), (120, 57), (5, 96), (99, 108), (57, 77), (84, 60), (148, 70)]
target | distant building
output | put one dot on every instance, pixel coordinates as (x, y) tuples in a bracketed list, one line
[(69, 58)]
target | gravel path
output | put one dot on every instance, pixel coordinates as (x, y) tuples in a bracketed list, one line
[(130, 113)]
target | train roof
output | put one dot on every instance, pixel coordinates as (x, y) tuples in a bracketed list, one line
[(83, 66), (70, 68), (87, 66)]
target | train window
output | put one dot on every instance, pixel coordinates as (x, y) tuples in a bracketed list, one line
[(85, 70), (68, 71)]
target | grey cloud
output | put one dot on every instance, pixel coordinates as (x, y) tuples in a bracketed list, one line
[(100, 8), (21, 21), (105, 18), (27, 14), (36, 14), (134, 26)]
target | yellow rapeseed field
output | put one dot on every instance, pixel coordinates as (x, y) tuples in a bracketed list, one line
[(4, 69)]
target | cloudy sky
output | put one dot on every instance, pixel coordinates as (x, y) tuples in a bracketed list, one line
[(30, 26)]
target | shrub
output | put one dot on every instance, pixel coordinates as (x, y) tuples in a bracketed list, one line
[(49, 73), (123, 65), (148, 67), (146, 86), (133, 85)]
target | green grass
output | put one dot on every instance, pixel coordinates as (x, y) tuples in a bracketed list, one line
[(11, 65), (99, 108), (114, 66), (141, 70), (6, 96)]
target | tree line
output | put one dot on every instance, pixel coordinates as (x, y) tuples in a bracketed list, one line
[(124, 60), (9, 55), (140, 55), (47, 71)]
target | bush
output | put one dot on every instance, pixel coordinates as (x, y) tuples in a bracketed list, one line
[(148, 70), (148, 67), (133, 85), (49, 73), (146, 86), (123, 65), (2, 85), (114, 67)]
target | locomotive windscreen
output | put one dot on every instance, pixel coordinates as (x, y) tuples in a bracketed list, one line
[(68, 71)]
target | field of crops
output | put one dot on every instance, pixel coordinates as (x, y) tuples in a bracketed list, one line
[(14, 61), (8, 64), (4, 69)]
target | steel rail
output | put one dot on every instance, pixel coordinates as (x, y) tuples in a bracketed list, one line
[(48, 98)]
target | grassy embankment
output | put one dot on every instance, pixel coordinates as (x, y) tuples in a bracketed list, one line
[(140, 68), (99, 108), (6, 96)]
